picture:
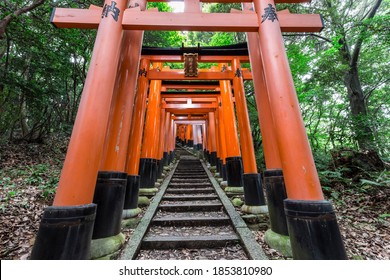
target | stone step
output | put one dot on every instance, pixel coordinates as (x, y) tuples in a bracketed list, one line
[(190, 167), (185, 182), (190, 179), (191, 207), (204, 214), (189, 184), (189, 190), (191, 221), (190, 242), (190, 176), (189, 197), (189, 172)]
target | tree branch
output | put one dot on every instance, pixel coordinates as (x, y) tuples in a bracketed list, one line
[(356, 52), (374, 88), (6, 20), (308, 34)]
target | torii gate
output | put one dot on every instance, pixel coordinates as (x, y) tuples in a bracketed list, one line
[(118, 41)]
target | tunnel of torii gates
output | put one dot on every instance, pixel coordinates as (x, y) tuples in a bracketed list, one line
[(133, 110)]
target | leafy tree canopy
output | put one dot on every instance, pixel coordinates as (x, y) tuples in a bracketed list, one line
[(341, 74)]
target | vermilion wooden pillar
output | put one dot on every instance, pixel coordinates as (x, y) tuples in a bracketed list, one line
[(212, 139), (167, 134), (309, 240), (185, 134), (78, 178), (135, 139), (179, 129), (149, 151), (205, 140), (206, 128), (185, 129), (176, 127), (161, 142), (115, 147), (253, 191), (248, 152), (114, 189), (199, 137), (234, 168), (178, 133), (301, 177), (221, 141), (217, 142), (206, 145), (172, 143), (189, 136), (181, 132), (273, 175)]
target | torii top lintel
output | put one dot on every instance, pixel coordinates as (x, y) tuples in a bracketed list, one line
[(235, 21)]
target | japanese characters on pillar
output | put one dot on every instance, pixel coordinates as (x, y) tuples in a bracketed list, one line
[(273, 176), (152, 122), (314, 236), (149, 152), (138, 117), (111, 9), (228, 116), (297, 161), (66, 229), (116, 143), (271, 151), (247, 149), (78, 177), (233, 159)]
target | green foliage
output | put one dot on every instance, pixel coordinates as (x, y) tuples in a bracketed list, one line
[(42, 73), (383, 216), (43, 69), (42, 176), (380, 181), (37, 173), (320, 64), (222, 39), (162, 38), (8, 188), (45, 178), (330, 177), (193, 38), (49, 187)]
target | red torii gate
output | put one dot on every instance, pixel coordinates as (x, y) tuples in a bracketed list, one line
[(87, 149)]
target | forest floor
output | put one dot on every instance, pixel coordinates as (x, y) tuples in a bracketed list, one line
[(29, 174)]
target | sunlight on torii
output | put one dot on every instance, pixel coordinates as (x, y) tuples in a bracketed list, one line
[(178, 7)]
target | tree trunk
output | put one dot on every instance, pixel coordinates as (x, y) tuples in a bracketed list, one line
[(361, 124), (23, 117)]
